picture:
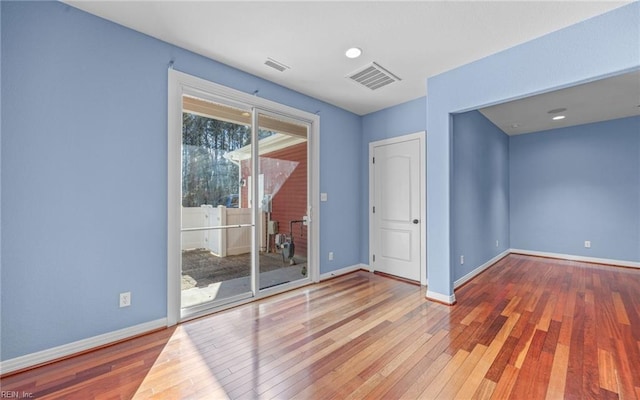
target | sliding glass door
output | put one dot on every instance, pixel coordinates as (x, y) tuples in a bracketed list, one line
[(244, 203), (283, 194), (216, 220)]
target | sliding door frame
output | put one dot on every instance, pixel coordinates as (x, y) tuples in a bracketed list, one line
[(180, 84)]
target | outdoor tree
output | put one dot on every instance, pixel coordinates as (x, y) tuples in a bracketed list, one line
[(208, 177)]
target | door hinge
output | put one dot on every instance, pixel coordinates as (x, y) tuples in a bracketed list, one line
[(374, 258), (374, 209), (374, 160)]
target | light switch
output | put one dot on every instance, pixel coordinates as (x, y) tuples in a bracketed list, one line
[(323, 197)]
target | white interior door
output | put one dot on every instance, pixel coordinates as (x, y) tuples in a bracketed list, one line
[(396, 209)]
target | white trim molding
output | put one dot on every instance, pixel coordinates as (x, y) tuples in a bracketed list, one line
[(480, 269), (569, 257), (55, 353), (441, 298), (343, 271)]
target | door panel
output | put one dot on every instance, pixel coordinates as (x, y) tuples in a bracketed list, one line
[(216, 249), (396, 183), (395, 244), (283, 200), (397, 209)]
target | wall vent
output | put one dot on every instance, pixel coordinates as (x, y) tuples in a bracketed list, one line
[(276, 64), (373, 76)]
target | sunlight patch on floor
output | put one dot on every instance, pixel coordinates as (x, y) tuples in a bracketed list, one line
[(194, 296)]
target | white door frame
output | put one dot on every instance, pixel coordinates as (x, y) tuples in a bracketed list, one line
[(421, 136), (180, 83)]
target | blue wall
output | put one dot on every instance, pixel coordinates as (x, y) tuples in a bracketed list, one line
[(575, 184), (479, 192), (576, 54), (84, 173), (403, 119)]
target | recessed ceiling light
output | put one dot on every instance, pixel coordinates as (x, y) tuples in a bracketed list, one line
[(353, 52), (516, 125), (558, 117)]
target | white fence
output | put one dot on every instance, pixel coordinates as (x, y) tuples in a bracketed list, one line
[(222, 242)]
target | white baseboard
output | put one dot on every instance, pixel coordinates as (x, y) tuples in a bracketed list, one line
[(481, 268), (442, 298), (342, 271), (44, 356), (619, 263)]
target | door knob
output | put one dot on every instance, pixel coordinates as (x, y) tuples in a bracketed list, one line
[(415, 221)]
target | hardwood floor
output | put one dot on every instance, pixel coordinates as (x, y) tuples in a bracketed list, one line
[(527, 328)]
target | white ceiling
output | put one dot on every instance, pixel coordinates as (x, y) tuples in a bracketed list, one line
[(412, 39), (602, 100)]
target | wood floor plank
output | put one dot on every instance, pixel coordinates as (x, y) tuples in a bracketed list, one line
[(471, 316), (566, 330), (504, 386), (590, 381), (576, 351), (485, 390), (606, 371), (542, 377), (419, 385), (552, 337), (558, 377), (561, 293), (529, 365), (502, 359), (545, 319), (525, 328), (400, 375), (511, 306), (477, 376), (440, 381), (373, 359), (344, 374), (363, 391), (624, 371), (621, 312), (522, 348), (462, 375)]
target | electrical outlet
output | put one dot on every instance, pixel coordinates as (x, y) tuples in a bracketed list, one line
[(331, 256), (461, 259), (125, 299), (587, 244)]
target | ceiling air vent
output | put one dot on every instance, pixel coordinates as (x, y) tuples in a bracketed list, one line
[(276, 64), (373, 76)]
